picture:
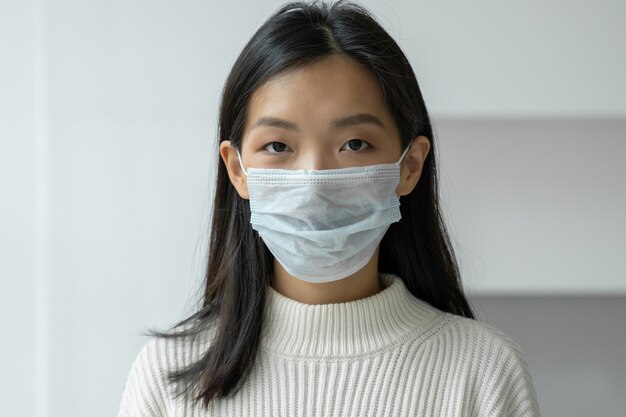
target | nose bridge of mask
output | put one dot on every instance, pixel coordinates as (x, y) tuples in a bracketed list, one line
[(397, 162)]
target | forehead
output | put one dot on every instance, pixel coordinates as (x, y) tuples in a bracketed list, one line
[(319, 92)]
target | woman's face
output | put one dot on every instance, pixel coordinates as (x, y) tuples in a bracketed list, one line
[(327, 115), (294, 120)]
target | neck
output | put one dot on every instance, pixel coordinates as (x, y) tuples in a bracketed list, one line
[(363, 283)]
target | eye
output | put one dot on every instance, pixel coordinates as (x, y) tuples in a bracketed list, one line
[(276, 147), (357, 144)]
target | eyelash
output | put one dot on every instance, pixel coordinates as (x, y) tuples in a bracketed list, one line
[(277, 153)]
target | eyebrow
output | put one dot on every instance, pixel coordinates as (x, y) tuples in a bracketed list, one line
[(353, 120)]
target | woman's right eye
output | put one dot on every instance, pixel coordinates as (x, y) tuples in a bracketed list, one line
[(275, 147)]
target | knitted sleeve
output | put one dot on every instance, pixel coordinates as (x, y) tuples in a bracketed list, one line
[(509, 389), (143, 394)]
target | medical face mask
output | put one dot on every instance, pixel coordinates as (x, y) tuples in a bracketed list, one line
[(323, 225)]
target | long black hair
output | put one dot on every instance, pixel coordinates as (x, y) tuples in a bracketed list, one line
[(239, 266)]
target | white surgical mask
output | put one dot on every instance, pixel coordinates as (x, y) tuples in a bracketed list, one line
[(323, 225)]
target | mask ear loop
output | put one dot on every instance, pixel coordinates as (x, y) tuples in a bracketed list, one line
[(240, 164), (404, 153)]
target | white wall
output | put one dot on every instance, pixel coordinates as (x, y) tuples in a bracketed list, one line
[(107, 149), (23, 277), (537, 206)]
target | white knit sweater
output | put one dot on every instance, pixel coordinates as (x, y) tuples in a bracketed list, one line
[(390, 354)]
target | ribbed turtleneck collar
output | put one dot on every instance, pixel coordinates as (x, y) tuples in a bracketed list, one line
[(353, 328)]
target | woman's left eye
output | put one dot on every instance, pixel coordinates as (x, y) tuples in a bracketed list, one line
[(356, 144)]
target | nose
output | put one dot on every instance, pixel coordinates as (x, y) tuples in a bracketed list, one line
[(317, 161)]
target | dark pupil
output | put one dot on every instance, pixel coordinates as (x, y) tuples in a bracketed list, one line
[(356, 143), (278, 146)]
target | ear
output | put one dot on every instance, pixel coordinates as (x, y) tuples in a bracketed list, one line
[(235, 173), (411, 165)]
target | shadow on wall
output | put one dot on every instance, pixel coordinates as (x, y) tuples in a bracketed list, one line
[(575, 347)]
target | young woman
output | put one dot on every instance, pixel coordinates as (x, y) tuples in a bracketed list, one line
[(331, 287)]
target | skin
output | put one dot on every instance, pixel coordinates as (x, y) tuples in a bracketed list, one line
[(311, 98)]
